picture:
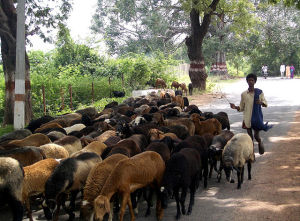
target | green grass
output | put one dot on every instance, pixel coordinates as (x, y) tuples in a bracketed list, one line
[(6, 129)]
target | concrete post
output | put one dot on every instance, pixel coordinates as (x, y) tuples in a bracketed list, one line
[(19, 108)]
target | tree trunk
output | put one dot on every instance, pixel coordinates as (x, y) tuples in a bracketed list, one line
[(8, 50), (194, 42), (219, 67)]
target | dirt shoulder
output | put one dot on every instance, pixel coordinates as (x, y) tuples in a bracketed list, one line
[(276, 181)]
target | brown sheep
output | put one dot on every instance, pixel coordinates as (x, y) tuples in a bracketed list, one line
[(95, 147), (184, 88), (69, 118), (129, 145), (129, 175), (160, 82), (175, 84), (212, 126), (55, 151), (47, 126), (34, 140), (156, 134), (104, 136), (95, 181), (70, 143), (25, 155), (182, 121), (158, 118), (179, 100), (35, 177)]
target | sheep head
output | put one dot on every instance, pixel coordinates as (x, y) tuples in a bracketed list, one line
[(86, 210), (101, 207), (228, 168)]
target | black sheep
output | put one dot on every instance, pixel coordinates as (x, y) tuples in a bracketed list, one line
[(34, 124), (190, 86), (203, 152), (178, 92), (180, 130), (111, 104), (182, 172), (118, 93), (69, 176)]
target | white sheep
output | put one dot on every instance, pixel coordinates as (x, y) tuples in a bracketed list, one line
[(11, 184), (52, 150), (238, 151), (75, 127)]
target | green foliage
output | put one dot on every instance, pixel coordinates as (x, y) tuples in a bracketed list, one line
[(140, 26), (6, 129), (136, 69)]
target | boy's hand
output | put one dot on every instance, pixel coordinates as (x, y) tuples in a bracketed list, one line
[(232, 106), (259, 102)]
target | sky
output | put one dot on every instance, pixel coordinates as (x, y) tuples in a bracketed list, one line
[(78, 23)]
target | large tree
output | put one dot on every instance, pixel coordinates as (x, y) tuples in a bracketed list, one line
[(140, 26), (41, 18), (145, 26)]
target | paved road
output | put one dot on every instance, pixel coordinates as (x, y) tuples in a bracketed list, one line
[(220, 200)]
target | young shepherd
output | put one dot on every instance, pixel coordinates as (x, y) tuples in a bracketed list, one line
[(236, 153), (95, 183), (129, 175)]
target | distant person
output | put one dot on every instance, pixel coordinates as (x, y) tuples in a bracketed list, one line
[(251, 102), (292, 69), (282, 70), (287, 71), (265, 71)]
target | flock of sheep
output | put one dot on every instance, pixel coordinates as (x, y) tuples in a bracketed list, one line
[(153, 147)]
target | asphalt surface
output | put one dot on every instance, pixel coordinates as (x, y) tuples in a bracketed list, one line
[(220, 200)]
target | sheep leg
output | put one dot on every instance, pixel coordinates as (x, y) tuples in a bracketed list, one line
[(239, 177), (205, 173), (182, 200), (126, 200), (149, 201), (249, 170), (28, 208), (219, 176), (17, 208), (176, 193), (192, 196), (60, 200), (72, 205), (210, 170), (242, 175), (159, 209)]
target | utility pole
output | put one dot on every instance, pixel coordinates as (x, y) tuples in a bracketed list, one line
[(19, 109)]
